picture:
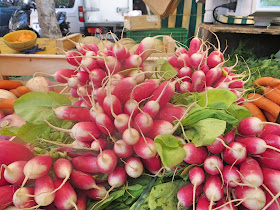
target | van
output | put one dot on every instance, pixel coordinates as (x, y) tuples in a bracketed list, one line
[(91, 17)]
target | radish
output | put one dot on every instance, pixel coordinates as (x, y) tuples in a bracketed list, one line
[(84, 92), (93, 47), (100, 95), (185, 72), (223, 204), (185, 87), (229, 137), (131, 108), (255, 145), (131, 136), (82, 180), (37, 167), (104, 124), (269, 159), (153, 164), (98, 144), (274, 205), (160, 127), (272, 140), (82, 200), (122, 149), (173, 61), (124, 88), (63, 169), (118, 177), (197, 177), (96, 76), (72, 113), (121, 122), (112, 65), (73, 92), (271, 179), (65, 197), (213, 165), (145, 48), (213, 189), (145, 89), (203, 203), (151, 108), (171, 114), (60, 75), (133, 61), (195, 155), (186, 193), (6, 195), (14, 172), (23, 198), (197, 59), (83, 77), (251, 172), (74, 58), (164, 92), (217, 146), (134, 167), (253, 198), (73, 82), (145, 148), (181, 50), (231, 176), (237, 154), (212, 75), (44, 187), (250, 126), (270, 129), (106, 161), (198, 81), (3, 181), (81, 47), (95, 110), (119, 51), (143, 122), (215, 58), (97, 194), (183, 60), (81, 131), (195, 45), (85, 164), (112, 106)]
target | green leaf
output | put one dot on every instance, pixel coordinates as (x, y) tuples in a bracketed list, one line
[(169, 146), (27, 132), (34, 106), (204, 113), (239, 112), (215, 96), (164, 196), (166, 70), (205, 131)]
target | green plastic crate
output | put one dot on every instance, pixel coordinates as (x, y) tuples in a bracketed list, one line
[(179, 34)]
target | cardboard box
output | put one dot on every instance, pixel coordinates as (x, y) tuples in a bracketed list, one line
[(143, 22)]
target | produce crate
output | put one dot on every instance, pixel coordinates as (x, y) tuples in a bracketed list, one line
[(179, 34), (143, 22)]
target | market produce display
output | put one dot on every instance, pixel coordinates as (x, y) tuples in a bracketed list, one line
[(175, 133)]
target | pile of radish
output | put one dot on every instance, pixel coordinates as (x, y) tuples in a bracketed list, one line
[(121, 104)]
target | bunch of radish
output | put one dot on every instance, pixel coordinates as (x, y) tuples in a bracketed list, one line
[(29, 182), (239, 170)]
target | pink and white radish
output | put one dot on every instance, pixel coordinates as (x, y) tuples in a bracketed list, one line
[(106, 161), (23, 198), (145, 148), (237, 154), (118, 177), (14, 172), (74, 58), (213, 189), (85, 164), (153, 164), (97, 194), (145, 48), (195, 155), (122, 149), (98, 144), (251, 172), (72, 113), (197, 177), (186, 193), (82, 180), (160, 127), (213, 165), (134, 167), (44, 186), (198, 81), (231, 176)]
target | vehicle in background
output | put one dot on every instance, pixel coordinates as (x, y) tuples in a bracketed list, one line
[(6, 11), (91, 17), (20, 19)]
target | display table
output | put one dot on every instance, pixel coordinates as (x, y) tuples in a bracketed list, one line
[(263, 41)]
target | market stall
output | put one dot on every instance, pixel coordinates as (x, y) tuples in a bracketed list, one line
[(151, 124)]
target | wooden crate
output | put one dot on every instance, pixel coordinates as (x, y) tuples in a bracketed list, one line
[(143, 22)]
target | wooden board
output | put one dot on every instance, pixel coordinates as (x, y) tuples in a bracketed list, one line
[(143, 22), (65, 43), (224, 28), (27, 65), (50, 45)]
